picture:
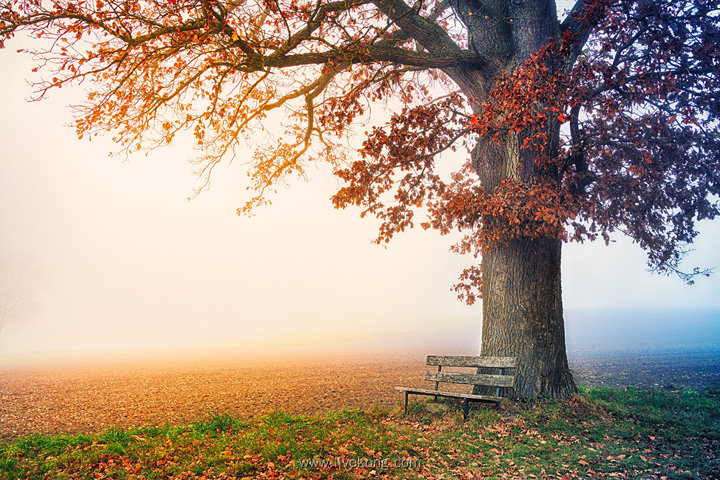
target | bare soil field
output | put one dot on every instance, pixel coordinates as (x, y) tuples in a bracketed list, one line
[(671, 369), (93, 397), (90, 397)]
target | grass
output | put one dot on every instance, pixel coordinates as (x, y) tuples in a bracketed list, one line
[(601, 433)]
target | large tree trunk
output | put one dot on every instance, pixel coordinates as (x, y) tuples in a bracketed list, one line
[(522, 294), (522, 297), (523, 317)]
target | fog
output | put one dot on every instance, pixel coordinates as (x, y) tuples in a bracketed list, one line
[(116, 260)]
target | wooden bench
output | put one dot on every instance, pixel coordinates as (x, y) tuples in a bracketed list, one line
[(499, 381)]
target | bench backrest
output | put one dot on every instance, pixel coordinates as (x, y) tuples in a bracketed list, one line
[(500, 380)]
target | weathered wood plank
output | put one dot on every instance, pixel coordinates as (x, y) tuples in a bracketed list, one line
[(471, 378), (479, 361), (471, 396)]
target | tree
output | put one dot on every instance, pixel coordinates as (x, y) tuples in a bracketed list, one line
[(603, 121)]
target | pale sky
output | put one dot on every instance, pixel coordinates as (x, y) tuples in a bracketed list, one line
[(117, 259)]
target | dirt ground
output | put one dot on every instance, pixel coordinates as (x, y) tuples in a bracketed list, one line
[(90, 397), (672, 369)]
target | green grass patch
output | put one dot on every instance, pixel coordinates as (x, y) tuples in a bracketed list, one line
[(601, 433)]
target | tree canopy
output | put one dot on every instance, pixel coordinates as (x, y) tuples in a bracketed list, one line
[(616, 114)]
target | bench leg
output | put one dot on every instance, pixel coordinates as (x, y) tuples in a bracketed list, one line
[(465, 409), (406, 401)]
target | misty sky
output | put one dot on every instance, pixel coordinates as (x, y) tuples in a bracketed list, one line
[(114, 257)]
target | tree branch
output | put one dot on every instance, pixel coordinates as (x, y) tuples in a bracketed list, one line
[(580, 22), (426, 32)]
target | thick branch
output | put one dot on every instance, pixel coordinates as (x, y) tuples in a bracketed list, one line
[(375, 53), (427, 33), (580, 22)]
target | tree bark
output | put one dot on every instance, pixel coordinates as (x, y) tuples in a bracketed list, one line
[(523, 315), (522, 296)]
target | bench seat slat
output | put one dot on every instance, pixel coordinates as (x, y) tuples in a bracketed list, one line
[(471, 378), (440, 393), (479, 361)]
